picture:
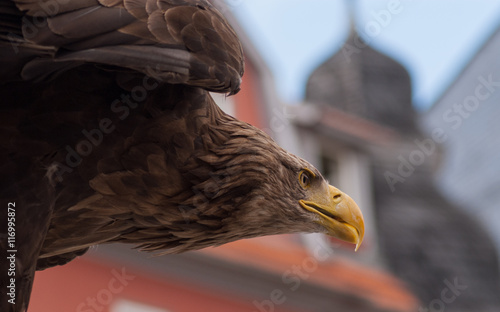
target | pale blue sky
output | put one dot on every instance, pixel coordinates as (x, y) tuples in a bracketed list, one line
[(433, 39)]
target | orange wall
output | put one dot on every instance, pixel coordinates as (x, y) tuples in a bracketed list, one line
[(248, 102), (85, 285)]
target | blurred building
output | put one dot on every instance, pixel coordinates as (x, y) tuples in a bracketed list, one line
[(468, 113), (362, 98), (270, 274)]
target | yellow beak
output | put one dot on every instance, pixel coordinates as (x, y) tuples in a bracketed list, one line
[(339, 214)]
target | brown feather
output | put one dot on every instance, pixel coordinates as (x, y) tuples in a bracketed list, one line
[(137, 8), (90, 21)]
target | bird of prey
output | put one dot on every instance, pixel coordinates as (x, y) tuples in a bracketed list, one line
[(109, 134)]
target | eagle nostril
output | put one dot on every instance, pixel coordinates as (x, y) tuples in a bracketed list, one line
[(337, 196)]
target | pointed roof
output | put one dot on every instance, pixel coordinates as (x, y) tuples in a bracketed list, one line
[(385, 85)]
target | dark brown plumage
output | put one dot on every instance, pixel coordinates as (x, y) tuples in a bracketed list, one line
[(109, 134)]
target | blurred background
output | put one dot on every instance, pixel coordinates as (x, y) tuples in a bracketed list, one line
[(397, 103)]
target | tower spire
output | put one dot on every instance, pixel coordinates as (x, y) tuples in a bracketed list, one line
[(351, 13)]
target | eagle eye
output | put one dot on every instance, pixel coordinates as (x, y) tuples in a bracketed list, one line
[(305, 177)]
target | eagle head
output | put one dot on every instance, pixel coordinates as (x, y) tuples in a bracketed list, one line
[(257, 188)]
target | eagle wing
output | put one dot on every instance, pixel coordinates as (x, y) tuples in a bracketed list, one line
[(176, 41)]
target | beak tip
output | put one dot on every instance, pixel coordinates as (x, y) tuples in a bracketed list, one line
[(361, 234), (357, 246)]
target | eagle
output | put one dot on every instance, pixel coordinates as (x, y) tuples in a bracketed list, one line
[(109, 134)]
